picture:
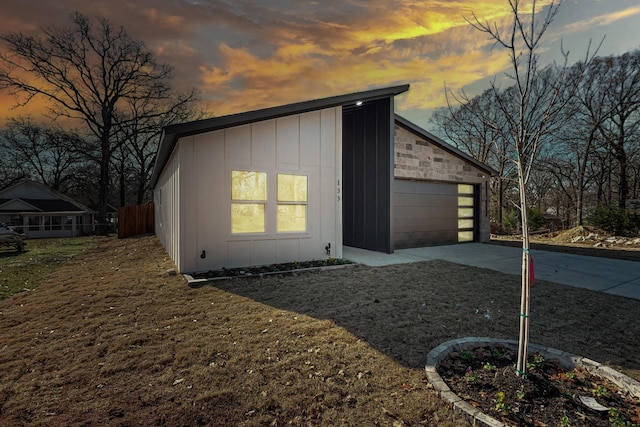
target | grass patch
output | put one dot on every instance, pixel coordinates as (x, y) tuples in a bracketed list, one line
[(23, 271), (110, 338)]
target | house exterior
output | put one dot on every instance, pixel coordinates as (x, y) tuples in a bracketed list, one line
[(297, 182), (37, 211)]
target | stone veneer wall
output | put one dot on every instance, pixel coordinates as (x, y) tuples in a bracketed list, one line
[(419, 159)]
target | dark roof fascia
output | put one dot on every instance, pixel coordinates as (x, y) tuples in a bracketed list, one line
[(172, 133), (4, 202), (45, 207), (49, 190), (412, 127)]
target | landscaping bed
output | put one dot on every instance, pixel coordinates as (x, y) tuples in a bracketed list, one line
[(281, 268), (548, 395)]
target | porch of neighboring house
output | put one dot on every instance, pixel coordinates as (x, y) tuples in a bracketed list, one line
[(52, 224)]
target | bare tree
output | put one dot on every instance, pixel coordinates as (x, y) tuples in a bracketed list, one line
[(10, 172), (621, 130), (86, 72), (42, 151), (473, 126), (531, 108), (570, 160), (146, 118)]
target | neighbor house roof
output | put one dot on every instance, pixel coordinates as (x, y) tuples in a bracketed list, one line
[(412, 127), (41, 205), (172, 133), (56, 203)]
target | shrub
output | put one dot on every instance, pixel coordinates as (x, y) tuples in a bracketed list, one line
[(510, 221), (615, 220), (536, 218)]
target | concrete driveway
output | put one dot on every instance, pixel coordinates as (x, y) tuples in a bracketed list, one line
[(616, 277)]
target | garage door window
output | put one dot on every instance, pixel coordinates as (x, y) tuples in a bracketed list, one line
[(248, 201), (466, 211)]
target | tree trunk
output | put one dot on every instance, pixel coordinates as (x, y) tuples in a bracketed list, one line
[(103, 185), (500, 200), (623, 185), (105, 163), (141, 186), (523, 338), (579, 202), (123, 187)]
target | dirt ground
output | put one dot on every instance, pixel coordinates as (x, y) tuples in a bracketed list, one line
[(110, 338)]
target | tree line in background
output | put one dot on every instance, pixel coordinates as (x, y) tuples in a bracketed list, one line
[(108, 100), (587, 168)]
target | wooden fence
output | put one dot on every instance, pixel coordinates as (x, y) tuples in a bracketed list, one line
[(135, 220)]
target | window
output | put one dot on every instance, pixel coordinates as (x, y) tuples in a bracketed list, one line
[(292, 203), (466, 211), (248, 200)]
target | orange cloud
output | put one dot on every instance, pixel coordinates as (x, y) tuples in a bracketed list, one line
[(422, 43), (247, 55), (350, 58)]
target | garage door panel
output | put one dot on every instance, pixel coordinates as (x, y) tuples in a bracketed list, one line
[(420, 212), (403, 199), (426, 214), (417, 187), (425, 239), (412, 225)]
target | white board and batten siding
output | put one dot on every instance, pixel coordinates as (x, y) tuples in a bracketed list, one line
[(198, 182), (167, 207)]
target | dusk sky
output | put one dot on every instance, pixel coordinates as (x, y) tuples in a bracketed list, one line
[(245, 55)]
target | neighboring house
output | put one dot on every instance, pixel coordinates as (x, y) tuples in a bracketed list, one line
[(38, 211), (299, 181)]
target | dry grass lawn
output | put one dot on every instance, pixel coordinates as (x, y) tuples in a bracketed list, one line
[(110, 339)]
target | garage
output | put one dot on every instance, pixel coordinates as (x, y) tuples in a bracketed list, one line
[(433, 213), (440, 195)]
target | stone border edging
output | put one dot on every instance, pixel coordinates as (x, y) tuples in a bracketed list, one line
[(478, 418)]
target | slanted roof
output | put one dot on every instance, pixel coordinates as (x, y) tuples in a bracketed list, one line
[(20, 198), (172, 133), (412, 127), (39, 205)]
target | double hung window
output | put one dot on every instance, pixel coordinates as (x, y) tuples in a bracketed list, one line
[(249, 203), (292, 203)]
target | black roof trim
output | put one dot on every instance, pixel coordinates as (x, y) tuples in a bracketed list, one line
[(172, 133), (444, 145), (45, 205)]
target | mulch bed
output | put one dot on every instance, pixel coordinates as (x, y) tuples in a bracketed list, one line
[(548, 396), (281, 268)]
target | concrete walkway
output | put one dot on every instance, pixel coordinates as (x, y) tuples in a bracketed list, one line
[(616, 277)]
